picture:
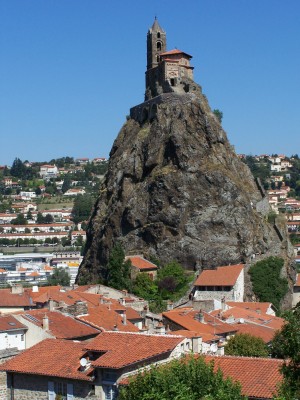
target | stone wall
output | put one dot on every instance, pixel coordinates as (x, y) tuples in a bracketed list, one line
[(34, 387)]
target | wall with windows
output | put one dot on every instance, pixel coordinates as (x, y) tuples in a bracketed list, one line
[(13, 338), (28, 387)]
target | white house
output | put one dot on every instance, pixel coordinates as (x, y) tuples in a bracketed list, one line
[(222, 283), (12, 333)]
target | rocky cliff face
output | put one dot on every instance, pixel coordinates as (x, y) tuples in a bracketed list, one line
[(175, 189)]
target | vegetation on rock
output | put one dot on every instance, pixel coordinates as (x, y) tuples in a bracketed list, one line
[(267, 283)]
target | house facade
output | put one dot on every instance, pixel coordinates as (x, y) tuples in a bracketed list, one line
[(223, 283)]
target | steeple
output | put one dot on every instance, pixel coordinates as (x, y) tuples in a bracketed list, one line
[(156, 44)]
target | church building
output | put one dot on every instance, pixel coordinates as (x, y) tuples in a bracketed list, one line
[(167, 71)]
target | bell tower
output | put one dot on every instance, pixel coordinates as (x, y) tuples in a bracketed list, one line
[(156, 44)]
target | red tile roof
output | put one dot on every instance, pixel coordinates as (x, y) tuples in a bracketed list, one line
[(51, 357), (255, 305), (186, 319), (141, 263), (263, 332), (10, 323), (103, 318), (122, 349), (174, 51), (61, 326), (259, 377), (252, 317), (221, 276), (7, 299)]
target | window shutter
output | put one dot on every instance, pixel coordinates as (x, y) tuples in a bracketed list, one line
[(70, 391), (51, 393)]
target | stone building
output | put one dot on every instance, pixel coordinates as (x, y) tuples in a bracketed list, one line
[(167, 71), (222, 283), (74, 370)]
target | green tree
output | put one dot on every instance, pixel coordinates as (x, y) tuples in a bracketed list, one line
[(191, 379), (18, 168), (172, 281), (218, 114), (82, 207), (48, 219), (20, 220), (67, 183), (286, 345), (29, 215), (118, 270), (145, 287), (39, 218), (59, 277), (268, 285), (246, 345)]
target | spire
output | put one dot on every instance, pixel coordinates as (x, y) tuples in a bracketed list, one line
[(156, 27)]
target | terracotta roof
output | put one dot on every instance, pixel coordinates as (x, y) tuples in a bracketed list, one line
[(7, 299), (221, 276), (45, 358), (61, 326), (206, 337), (141, 263), (255, 305), (132, 314), (2, 271), (263, 332), (186, 319), (34, 273), (123, 349), (259, 377), (252, 317), (103, 318), (175, 51), (10, 323)]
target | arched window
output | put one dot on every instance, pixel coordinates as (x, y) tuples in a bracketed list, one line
[(158, 35), (157, 58), (158, 46)]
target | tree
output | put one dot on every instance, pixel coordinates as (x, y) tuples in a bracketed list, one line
[(29, 215), (268, 285), (286, 345), (218, 114), (18, 169), (48, 219), (189, 379), (39, 218), (118, 270), (67, 183), (246, 345), (59, 277), (82, 207), (20, 220), (172, 281), (145, 287)]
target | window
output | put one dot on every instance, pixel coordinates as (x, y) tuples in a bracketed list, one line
[(61, 389), (158, 46), (110, 392), (158, 35), (22, 338)]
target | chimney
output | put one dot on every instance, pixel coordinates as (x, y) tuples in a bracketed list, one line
[(17, 288), (51, 304), (200, 317), (124, 318), (45, 323), (115, 328), (223, 303)]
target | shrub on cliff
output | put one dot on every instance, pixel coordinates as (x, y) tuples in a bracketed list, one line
[(268, 285)]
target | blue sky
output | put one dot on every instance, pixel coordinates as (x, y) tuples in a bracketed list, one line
[(71, 69)]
